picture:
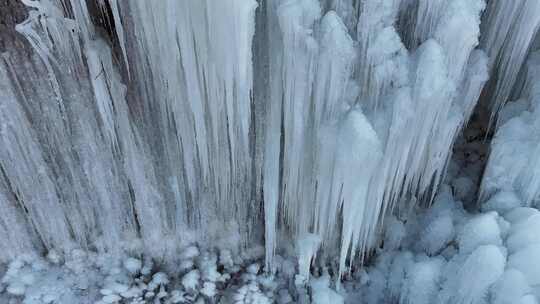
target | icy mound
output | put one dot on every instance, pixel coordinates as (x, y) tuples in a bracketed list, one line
[(461, 258), (491, 259), (85, 277)]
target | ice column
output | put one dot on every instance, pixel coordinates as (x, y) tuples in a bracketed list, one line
[(508, 29), (514, 162)]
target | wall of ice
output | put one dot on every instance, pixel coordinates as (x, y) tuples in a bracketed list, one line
[(296, 125)]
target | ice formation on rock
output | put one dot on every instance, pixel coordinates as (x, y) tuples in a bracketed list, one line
[(514, 161), (237, 123), (507, 41)]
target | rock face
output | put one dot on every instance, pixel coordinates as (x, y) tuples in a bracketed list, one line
[(12, 12)]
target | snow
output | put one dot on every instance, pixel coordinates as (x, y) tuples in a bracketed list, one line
[(322, 293), (421, 283), (404, 273), (512, 285), (437, 234), (523, 260), (502, 202), (394, 233), (481, 230), (397, 274), (523, 233)]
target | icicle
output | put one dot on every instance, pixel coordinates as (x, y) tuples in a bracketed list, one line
[(378, 41), (204, 107), (458, 33), (472, 84), (23, 165), (333, 73), (429, 14), (272, 141), (336, 133), (296, 18), (347, 10), (108, 90), (359, 150), (119, 27), (306, 248), (17, 236), (514, 163), (108, 218), (508, 31)]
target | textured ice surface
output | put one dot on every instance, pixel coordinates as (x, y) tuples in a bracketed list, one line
[(514, 158), (299, 125), (150, 130), (404, 274)]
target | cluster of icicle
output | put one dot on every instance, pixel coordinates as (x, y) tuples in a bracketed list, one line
[(514, 162), (237, 122)]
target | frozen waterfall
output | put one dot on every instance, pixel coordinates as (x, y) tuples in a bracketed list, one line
[(297, 125)]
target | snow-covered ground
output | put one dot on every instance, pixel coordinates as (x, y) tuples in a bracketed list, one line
[(439, 255)]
